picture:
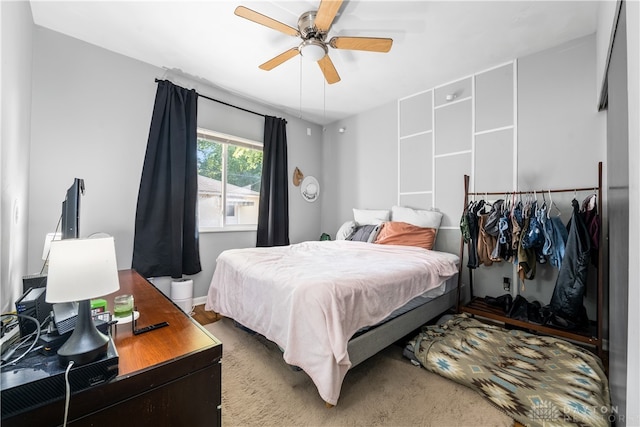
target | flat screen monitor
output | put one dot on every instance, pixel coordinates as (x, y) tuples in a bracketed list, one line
[(71, 210)]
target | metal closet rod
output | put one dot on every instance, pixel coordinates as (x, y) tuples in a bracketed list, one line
[(502, 193)]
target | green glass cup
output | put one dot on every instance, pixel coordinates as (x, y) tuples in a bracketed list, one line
[(123, 306)]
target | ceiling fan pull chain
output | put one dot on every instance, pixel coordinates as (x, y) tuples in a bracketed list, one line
[(300, 112)]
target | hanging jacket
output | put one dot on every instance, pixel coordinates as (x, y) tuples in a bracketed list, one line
[(526, 260), (591, 218), (567, 305), (486, 243), (474, 231), (491, 224), (504, 237), (559, 236)]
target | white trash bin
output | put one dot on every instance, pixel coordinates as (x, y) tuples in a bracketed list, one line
[(182, 294)]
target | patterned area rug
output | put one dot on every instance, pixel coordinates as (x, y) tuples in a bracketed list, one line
[(259, 389), (537, 380)]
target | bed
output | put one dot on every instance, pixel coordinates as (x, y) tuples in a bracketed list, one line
[(327, 304)]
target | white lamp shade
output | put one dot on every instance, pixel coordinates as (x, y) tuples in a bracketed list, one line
[(312, 49), (313, 52), (81, 269)]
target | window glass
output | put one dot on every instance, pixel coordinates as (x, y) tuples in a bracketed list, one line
[(229, 178)]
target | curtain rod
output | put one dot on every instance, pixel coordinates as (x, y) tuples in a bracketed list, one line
[(224, 103)]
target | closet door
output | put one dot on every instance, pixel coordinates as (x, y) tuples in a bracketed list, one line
[(618, 214)]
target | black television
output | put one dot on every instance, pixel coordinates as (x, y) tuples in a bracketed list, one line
[(71, 210)]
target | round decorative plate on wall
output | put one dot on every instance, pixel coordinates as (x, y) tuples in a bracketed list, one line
[(310, 189)]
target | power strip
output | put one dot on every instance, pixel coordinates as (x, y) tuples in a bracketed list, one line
[(9, 337)]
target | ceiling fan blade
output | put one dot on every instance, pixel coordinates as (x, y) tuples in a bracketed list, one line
[(261, 19), (284, 56), (329, 70), (326, 14), (372, 44)]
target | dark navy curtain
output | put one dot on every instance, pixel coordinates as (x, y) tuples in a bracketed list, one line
[(166, 227), (273, 214)]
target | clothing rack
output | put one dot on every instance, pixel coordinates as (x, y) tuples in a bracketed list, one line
[(495, 193), (478, 307)]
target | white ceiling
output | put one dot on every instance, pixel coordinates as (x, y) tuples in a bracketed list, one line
[(434, 42)]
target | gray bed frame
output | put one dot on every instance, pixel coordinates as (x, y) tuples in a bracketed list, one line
[(374, 340)]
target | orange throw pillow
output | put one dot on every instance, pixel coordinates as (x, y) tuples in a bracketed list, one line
[(402, 233)]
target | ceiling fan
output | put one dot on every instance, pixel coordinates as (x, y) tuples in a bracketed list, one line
[(313, 27)]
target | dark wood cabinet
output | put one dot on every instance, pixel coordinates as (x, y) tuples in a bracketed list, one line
[(167, 377)]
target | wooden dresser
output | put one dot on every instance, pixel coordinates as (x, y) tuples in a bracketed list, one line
[(167, 377)]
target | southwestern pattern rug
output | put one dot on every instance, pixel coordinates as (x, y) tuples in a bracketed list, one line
[(537, 380)]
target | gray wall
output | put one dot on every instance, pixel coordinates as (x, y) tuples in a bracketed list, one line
[(560, 139), (359, 166), (90, 119), (15, 86), (561, 135)]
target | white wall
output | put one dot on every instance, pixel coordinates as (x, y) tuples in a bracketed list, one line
[(561, 134), (607, 10), (90, 119), (15, 117), (359, 166)]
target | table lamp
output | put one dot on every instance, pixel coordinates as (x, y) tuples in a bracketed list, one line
[(81, 269)]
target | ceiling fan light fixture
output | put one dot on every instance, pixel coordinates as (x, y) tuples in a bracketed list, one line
[(313, 49)]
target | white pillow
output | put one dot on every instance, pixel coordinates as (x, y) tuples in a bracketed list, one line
[(346, 230), (419, 218), (370, 216)]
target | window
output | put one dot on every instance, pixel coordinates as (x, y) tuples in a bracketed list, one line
[(229, 178)]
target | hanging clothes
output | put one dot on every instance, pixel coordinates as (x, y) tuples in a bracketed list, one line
[(504, 236), (492, 229), (589, 211), (472, 222), (493, 218), (559, 236), (541, 218), (526, 259), (532, 235), (516, 227), (486, 242), (567, 305)]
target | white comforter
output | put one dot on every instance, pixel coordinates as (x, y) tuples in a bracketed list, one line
[(311, 297)]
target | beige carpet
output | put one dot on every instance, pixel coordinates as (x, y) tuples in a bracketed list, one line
[(260, 389)]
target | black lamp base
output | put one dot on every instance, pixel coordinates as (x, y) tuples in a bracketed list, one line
[(86, 344)]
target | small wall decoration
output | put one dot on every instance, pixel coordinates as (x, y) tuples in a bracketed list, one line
[(297, 177), (310, 189)]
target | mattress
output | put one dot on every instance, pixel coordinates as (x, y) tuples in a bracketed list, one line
[(445, 287)]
